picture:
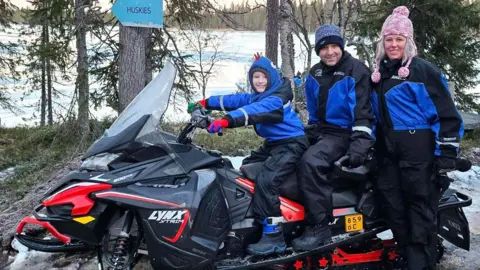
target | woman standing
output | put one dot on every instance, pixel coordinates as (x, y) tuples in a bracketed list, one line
[(418, 133)]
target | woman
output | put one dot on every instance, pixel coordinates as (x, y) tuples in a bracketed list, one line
[(418, 133)]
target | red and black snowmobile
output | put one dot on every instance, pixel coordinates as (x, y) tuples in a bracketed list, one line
[(141, 190)]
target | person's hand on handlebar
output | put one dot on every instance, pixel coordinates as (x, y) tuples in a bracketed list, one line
[(217, 126), (192, 105)]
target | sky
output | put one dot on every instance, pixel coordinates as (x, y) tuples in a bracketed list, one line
[(106, 3)]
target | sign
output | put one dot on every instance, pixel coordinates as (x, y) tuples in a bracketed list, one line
[(139, 13)]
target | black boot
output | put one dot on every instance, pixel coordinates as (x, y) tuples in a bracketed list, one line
[(272, 239), (312, 238)]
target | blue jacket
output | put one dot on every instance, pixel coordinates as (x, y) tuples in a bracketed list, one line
[(339, 97), (270, 112), (420, 101), (298, 81)]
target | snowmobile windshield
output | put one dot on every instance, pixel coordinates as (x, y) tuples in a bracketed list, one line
[(138, 127)]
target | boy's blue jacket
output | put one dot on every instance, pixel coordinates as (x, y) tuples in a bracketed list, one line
[(270, 112)]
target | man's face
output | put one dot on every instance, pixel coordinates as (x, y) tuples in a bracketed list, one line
[(331, 54)]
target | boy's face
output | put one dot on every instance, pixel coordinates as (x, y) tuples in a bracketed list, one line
[(259, 81), (331, 54)]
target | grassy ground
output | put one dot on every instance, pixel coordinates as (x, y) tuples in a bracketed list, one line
[(34, 152), (234, 142), (470, 140)]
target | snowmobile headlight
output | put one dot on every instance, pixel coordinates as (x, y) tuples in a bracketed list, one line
[(98, 162)]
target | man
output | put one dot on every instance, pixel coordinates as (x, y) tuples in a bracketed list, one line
[(337, 92)]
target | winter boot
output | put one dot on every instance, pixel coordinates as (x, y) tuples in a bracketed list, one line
[(312, 238), (272, 240)]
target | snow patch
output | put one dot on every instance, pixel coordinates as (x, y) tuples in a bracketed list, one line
[(6, 173), (27, 259), (236, 161)]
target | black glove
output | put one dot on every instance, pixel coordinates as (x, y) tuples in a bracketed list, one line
[(355, 160), (444, 163)]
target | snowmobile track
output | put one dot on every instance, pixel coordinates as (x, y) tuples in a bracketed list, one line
[(250, 262)]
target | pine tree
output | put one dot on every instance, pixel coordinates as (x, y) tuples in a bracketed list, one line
[(8, 55), (49, 55), (446, 34)]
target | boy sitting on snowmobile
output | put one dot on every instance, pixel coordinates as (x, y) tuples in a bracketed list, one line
[(269, 109)]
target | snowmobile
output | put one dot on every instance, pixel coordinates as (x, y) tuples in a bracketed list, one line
[(143, 191)]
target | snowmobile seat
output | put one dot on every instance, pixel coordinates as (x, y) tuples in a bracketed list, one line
[(289, 189), (342, 197)]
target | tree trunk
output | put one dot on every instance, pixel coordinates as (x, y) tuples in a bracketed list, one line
[(82, 67), (341, 17), (148, 56), (286, 43), (132, 64), (329, 7), (43, 101), (49, 80), (271, 34)]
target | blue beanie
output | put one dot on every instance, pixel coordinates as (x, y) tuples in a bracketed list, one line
[(328, 34)]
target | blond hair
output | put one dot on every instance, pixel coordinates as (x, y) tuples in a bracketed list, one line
[(409, 52)]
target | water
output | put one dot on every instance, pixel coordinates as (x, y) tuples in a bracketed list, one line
[(237, 49)]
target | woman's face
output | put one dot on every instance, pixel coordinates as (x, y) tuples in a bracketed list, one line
[(260, 81), (395, 46)]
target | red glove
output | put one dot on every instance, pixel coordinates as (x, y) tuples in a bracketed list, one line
[(217, 125), (203, 102)]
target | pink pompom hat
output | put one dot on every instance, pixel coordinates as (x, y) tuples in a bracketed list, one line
[(397, 23)]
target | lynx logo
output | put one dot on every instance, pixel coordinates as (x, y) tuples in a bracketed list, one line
[(168, 216), (334, 222)]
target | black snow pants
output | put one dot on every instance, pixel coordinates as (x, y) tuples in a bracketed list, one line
[(280, 160), (408, 193), (314, 174)]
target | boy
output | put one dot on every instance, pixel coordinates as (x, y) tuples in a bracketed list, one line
[(269, 109)]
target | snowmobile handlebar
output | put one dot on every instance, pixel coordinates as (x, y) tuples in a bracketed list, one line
[(463, 165), (342, 168), (199, 119)]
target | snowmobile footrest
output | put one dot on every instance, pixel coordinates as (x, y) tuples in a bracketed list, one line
[(50, 245), (251, 261)]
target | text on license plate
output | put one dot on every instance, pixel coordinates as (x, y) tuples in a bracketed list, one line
[(354, 223)]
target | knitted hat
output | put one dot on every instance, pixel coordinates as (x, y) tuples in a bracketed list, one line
[(397, 23), (328, 34)]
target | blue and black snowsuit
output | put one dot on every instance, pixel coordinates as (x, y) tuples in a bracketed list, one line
[(417, 123), (338, 103), (274, 119)]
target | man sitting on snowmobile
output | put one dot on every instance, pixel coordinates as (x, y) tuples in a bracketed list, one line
[(418, 134), (337, 92), (269, 109)]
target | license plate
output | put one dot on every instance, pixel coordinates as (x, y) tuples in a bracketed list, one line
[(354, 223)]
